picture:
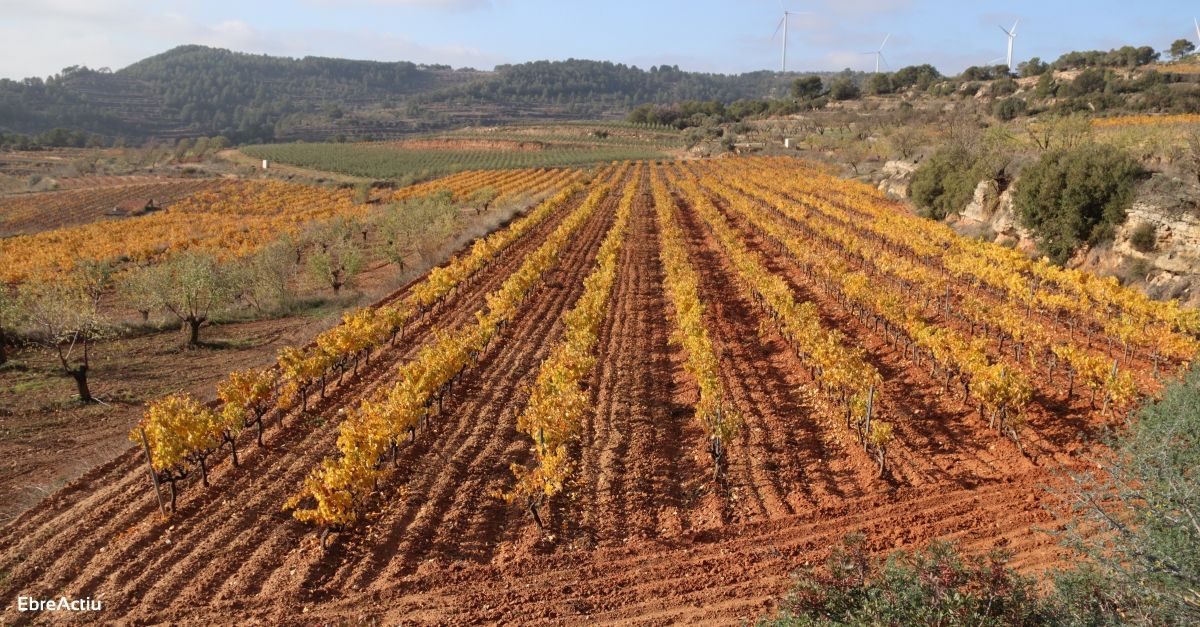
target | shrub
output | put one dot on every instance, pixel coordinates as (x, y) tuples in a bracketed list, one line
[(1076, 196), (807, 87), (880, 83), (1003, 87), (843, 89), (1089, 81), (1143, 237), (1139, 513), (945, 182), (935, 586), (1009, 108)]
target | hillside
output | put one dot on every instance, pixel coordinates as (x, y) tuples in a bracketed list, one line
[(197, 90)]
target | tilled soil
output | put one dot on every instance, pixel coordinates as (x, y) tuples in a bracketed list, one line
[(644, 534)]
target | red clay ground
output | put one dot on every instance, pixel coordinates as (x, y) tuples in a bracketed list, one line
[(643, 535)]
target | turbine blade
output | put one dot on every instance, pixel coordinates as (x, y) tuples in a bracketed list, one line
[(1005, 30), (1014, 28), (777, 28), (885, 40), (885, 63)]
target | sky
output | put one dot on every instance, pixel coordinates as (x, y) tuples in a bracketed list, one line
[(40, 37)]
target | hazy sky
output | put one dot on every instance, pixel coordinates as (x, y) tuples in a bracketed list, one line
[(40, 37)]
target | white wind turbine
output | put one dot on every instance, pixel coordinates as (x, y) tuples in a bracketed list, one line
[(1012, 34), (783, 25), (879, 53)]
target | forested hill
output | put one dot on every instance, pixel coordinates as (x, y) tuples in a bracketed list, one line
[(196, 90), (600, 84)]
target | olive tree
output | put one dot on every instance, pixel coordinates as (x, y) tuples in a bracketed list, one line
[(265, 279), (136, 288), (335, 257), (192, 287), (418, 226)]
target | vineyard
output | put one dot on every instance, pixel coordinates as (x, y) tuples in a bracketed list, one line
[(385, 160), (651, 396), (1146, 120), (229, 219), (33, 213)]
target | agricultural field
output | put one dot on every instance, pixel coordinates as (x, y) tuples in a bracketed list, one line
[(254, 264), (84, 202), (649, 396), (425, 157)]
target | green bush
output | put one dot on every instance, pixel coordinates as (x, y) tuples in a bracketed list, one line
[(1140, 515), (807, 87), (1089, 81), (1071, 197), (945, 182), (1009, 108), (880, 83), (1003, 87), (843, 89)]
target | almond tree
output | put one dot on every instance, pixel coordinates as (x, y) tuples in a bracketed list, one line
[(64, 318), (137, 289)]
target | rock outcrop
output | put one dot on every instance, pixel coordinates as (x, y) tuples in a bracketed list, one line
[(897, 178), (1169, 268)]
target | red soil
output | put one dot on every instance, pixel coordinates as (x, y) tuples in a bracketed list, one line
[(643, 534)]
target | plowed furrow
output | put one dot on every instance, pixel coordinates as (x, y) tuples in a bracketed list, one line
[(782, 454), (631, 454), (938, 437), (445, 483), (726, 574)]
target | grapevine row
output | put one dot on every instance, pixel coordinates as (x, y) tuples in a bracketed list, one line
[(180, 435), (956, 353), (841, 370), (1100, 303), (332, 494), (553, 415), (681, 284)]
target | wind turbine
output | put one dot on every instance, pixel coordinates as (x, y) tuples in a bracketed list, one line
[(879, 53), (1197, 24), (1012, 34), (783, 25)]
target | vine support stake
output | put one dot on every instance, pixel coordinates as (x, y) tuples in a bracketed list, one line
[(153, 475)]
